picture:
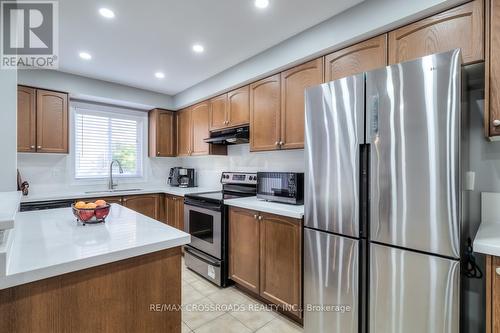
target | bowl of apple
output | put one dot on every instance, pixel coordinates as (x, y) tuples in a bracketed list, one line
[(91, 212)]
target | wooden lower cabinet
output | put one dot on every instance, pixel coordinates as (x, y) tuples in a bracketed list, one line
[(110, 200), (174, 211), (265, 257), (115, 297), (244, 255), (492, 294), (146, 204), (281, 261)]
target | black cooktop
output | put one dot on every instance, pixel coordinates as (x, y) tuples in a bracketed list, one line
[(216, 196)]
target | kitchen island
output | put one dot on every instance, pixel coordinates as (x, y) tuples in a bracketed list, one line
[(62, 276)]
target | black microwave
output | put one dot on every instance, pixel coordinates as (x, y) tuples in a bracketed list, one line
[(284, 187)]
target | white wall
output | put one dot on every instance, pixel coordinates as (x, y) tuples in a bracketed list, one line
[(239, 158), (8, 130), (368, 19), (95, 90), (53, 172)]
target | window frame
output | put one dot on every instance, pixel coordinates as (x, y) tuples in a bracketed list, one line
[(120, 112)]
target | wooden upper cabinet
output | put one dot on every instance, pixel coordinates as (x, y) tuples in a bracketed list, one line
[(26, 119), (218, 112), (230, 110), (281, 260), (162, 133), (244, 248), (145, 204), (293, 84), (460, 27), (184, 132), (492, 71), (238, 107), (358, 58), (52, 121), (265, 109), (200, 119)]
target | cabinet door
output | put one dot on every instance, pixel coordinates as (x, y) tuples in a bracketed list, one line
[(146, 204), (460, 27), (238, 112), (244, 248), (492, 68), (162, 133), (265, 109), (179, 215), (26, 119), (174, 211), (355, 59), (218, 112), (492, 294), (199, 118), (110, 200), (281, 260), (293, 84), (184, 132), (52, 121)]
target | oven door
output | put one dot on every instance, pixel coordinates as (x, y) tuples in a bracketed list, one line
[(203, 221)]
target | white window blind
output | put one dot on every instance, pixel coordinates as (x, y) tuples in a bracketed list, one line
[(101, 137)]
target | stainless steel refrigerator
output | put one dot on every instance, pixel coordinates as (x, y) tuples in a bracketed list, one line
[(382, 186)]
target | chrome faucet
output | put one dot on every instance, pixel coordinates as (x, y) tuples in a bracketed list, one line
[(111, 183)]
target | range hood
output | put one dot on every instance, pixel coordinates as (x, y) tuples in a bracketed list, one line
[(230, 136)]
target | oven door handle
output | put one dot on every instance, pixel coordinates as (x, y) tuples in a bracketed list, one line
[(206, 205), (201, 257)]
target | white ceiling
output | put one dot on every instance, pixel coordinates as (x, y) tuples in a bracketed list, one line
[(156, 35)]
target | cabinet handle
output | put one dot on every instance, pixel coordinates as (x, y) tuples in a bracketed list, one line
[(158, 154), (32, 147), (39, 147), (281, 143), (255, 216), (497, 270), (260, 217), (496, 122), (276, 143)]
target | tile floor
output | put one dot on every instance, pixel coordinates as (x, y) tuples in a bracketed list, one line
[(207, 308)]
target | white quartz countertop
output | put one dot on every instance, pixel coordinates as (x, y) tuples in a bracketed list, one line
[(294, 211), (487, 240), (50, 242), (9, 205), (76, 193)]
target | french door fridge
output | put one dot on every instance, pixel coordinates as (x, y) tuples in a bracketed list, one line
[(382, 221)]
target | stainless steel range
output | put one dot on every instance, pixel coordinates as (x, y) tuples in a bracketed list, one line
[(205, 218)]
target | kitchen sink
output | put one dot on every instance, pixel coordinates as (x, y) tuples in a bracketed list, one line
[(115, 191)]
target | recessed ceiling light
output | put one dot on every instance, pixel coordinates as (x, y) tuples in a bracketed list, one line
[(107, 13), (159, 75), (85, 55), (261, 3), (198, 48)]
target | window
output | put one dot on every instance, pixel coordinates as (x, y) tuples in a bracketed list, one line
[(103, 136)]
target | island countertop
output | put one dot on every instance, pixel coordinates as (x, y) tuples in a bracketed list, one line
[(50, 242)]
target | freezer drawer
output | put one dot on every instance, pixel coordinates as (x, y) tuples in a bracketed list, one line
[(413, 128), (330, 278), (412, 292), (334, 126)]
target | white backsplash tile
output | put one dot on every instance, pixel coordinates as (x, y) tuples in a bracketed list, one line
[(54, 171)]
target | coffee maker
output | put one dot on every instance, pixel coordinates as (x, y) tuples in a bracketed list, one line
[(182, 177)]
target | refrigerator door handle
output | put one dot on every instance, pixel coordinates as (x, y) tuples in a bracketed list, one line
[(374, 106)]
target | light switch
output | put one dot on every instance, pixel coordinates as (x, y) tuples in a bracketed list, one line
[(470, 179)]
